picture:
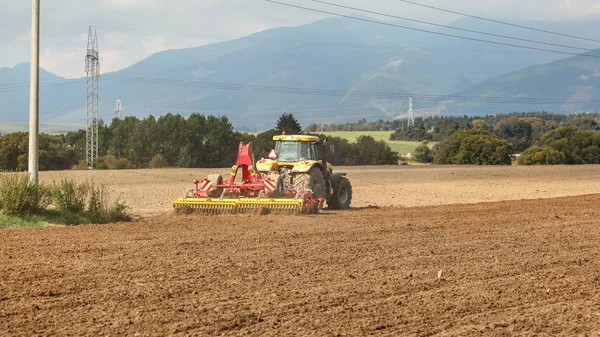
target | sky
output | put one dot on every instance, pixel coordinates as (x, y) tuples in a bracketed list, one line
[(131, 30)]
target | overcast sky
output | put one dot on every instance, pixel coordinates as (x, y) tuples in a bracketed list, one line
[(130, 30)]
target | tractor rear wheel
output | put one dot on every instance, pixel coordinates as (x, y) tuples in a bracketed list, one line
[(314, 181), (342, 195)]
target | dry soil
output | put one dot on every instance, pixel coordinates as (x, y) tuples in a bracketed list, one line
[(454, 265)]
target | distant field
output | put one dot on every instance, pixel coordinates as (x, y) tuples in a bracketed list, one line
[(9, 127), (401, 147)]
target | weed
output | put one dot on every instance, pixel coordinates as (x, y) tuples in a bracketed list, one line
[(19, 197), (69, 196), (158, 161), (110, 162)]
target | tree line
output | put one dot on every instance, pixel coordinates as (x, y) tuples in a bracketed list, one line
[(175, 141), (565, 145)]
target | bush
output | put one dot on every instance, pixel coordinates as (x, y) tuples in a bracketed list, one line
[(473, 147), (73, 203), (423, 154), (110, 162), (54, 152), (158, 161), (69, 196), (577, 146), (80, 166), (18, 197), (99, 208), (368, 151), (413, 134), (536, 155)]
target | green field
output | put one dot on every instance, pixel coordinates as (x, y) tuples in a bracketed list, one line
[(402, 147)]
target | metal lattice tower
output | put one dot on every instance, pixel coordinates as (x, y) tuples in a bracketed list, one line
[(411, 114), (118, 110), (92, 70)]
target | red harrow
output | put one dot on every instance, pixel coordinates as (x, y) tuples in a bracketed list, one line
[(252, 192)]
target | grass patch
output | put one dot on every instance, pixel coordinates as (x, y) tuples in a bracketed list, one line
[(402, 147), (7, 221), (48, 217), (23, 204), (57, 217)]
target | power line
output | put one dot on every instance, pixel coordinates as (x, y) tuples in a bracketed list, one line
[(456, 28), (327, 92), (345, 93), (42, 84), (42, 80), (500, 22), (432, 32)]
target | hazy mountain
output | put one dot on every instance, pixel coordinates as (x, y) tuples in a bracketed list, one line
[(331, 54), (488, 60), (359, 56), (569, 81)]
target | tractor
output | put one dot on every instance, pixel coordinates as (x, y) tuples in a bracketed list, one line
[(302, 159), (295, 178)]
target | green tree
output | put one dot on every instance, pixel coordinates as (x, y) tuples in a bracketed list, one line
[(517, 132), (578, 146), (12, 146), (221, 143), (194, 135), (170, 137), (143, 142), (289, 124), (121, 144), (585, 122), (473, 147), (368, 151), (412, 134), (537, 155), (423, 154)]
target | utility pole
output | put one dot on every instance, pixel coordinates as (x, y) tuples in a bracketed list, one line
[(92, 69), (118, 110), (34, 91), (411, 114)]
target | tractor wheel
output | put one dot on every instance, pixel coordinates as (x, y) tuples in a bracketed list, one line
[(215, 179), (342, 195), (314, 181)]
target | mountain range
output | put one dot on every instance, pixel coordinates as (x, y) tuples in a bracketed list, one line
[(333, 70)]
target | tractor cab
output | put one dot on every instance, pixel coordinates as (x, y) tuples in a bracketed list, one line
[(295, 149)]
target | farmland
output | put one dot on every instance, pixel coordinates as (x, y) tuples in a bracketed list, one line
[(402, 147), (426, 250)]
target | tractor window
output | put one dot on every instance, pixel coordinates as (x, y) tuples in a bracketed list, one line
[(287, 151), (291, 151)]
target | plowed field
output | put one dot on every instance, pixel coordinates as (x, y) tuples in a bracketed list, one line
[(516, 267), (151, 192)]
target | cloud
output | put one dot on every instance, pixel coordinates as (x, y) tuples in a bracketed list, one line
[(50, 59), (131, 30)]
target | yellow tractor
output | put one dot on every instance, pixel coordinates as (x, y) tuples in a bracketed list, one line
[(301, 159)]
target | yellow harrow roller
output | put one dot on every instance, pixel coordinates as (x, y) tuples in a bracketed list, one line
[(240, 206)]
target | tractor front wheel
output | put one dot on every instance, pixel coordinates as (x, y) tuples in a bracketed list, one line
[(342, 195)]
